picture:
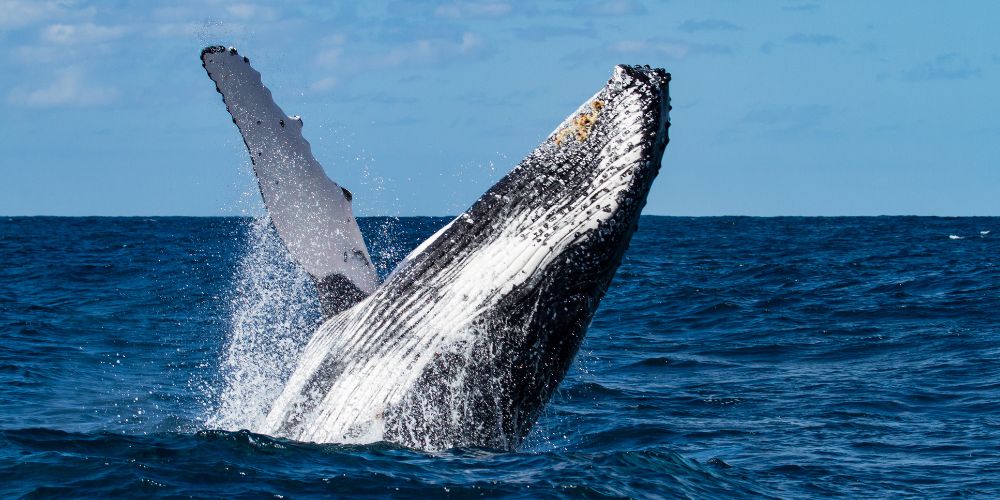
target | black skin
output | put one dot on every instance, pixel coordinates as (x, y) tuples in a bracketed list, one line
[(537, 328)]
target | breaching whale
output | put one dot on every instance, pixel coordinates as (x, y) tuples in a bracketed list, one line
[(471, 334)]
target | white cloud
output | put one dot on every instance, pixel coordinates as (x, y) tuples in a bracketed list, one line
[(81, 34), (330, 51), (323, 85), (34, 54), (21, 13), (174, 13), (67, 89), (180, 30), (58, 56), (667, 48), (351, 60), (251, 12), (70, 43), (206, 32), (426, 51), (329, 56)]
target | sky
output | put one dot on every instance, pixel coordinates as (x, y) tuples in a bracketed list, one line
[(779, 107)]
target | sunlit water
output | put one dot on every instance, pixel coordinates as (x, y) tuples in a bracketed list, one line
[(731, 356)]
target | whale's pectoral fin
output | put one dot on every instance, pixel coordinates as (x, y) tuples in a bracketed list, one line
[(312, 214)]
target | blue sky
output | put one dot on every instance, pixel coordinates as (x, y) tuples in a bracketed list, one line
[(780, 108)]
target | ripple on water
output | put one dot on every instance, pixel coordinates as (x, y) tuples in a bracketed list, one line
[(783, 357)]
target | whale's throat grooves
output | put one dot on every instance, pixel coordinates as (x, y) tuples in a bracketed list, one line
[(467, 340)]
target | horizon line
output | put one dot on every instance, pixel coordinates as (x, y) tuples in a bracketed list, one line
[(248, 216)]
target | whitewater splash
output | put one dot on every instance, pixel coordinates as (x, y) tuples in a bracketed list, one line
[(273, 312)]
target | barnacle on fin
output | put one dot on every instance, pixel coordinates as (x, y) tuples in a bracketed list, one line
[(581, 125), (563, 135)]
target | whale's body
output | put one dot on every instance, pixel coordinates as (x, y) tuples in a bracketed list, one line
[(468, 338)]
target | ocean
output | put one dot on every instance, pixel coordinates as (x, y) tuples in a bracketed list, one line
[(732, 357)]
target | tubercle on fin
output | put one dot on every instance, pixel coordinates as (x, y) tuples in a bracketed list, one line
[(212, 49)]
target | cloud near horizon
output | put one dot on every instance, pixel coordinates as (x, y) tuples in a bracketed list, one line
[(69, 88), (672, 49), (81, 34), (342, 60)]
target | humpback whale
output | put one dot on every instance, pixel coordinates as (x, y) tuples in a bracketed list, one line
[(467, 339)]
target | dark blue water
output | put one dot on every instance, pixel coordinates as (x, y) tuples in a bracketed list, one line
[(731, 356)]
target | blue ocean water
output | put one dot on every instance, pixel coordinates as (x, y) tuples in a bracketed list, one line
[(782, 357)]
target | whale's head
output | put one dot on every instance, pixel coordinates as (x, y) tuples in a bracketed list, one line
[(525, 268)]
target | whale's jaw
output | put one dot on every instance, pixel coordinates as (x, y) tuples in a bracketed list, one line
[(467, 340)]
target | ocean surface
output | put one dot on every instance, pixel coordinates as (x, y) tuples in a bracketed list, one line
[(781, 357)]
